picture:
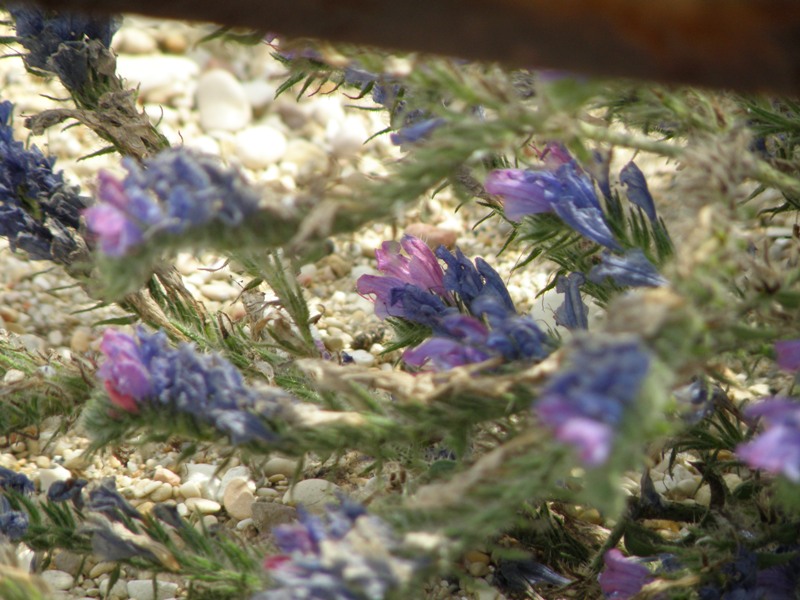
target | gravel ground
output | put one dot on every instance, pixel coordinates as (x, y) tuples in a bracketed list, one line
[(220, 99)]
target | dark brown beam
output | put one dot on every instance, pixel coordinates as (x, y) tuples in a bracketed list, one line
[(743, 44)]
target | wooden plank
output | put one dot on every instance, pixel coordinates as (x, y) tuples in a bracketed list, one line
[(743, 44)]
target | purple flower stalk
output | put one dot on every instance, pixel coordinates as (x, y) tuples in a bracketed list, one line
[(632, 269), (622, 577), (345, 554), (17, 482), (144, 371), (175, 192), (777, 449), (568, 192), (586, 401), (39, 212), (466, 306)]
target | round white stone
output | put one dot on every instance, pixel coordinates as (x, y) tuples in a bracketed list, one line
[(260, 146), (58, 580), (222, 102)]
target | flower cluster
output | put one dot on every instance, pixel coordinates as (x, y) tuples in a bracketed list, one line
[(39, 212), (568, 191), (585, 401), (466, 306), (144, 371), (173, 193), (346, 554), (42, 32)]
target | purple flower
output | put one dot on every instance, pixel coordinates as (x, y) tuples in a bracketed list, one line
[(39, 212), (419, 268), (636, 188), (586, 400), (788, 355), (146, 371), (175, 192), (467, 307), (777, 449), (61, 491), (567, 192), (573, 312), (343, 555), (632, 269), (622, 577)]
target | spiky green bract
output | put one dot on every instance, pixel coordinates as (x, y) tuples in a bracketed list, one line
[(48, 388)]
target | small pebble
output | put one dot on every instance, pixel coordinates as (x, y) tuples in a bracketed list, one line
[(279, 466), (260, 146), (142, 589), (58, 580), (13, 376), (162, 493), (203, 505), (222, 102)]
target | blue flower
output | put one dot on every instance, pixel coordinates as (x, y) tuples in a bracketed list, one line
[(17, 482), (13, 523), (173, 192), (636, 188), (42, 32), (567, 192), (146, 371), (586, 400), (107, 500), (39, 212), (573, 312), (61, 491), (632, 269), (415, 132), (345, 554)]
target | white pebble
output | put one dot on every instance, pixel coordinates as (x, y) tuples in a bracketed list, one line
[(13, 376), (58, 580), (190, 489), (142, 589), (203, 505), (222, 102), (362, 357), (259, 93), (157, 76), (259, 147), (346, 138), (218, 291), (162, 493)]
